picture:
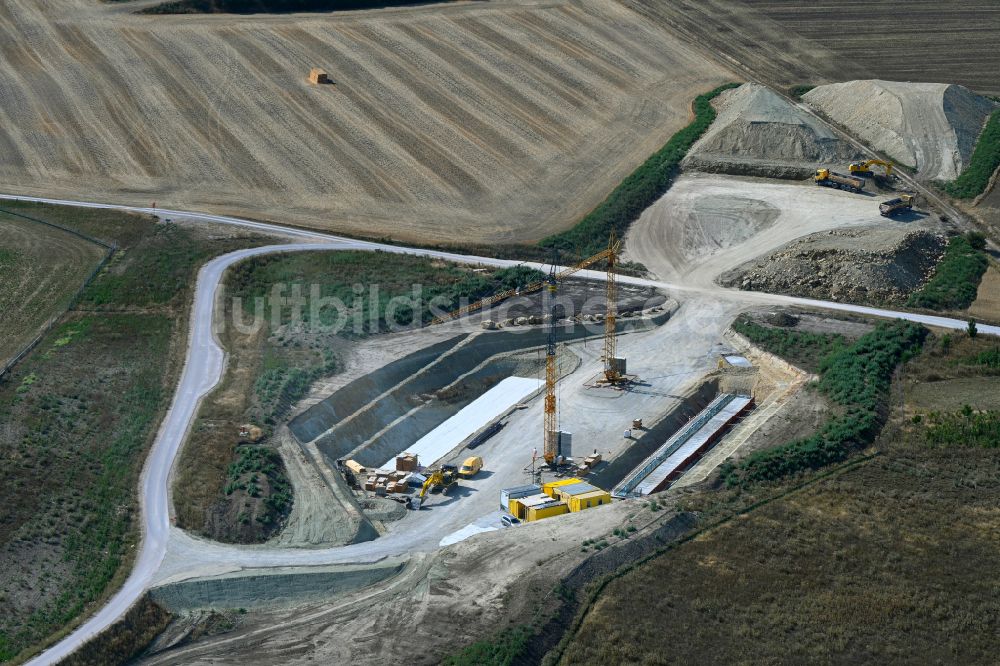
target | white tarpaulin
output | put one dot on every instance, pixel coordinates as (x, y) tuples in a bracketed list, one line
[(434, 445)]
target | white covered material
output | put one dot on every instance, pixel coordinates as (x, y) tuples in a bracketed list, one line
[(480, 412)]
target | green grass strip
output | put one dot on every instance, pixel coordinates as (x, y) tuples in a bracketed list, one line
[(639, 190), (985, 160), (956, 280)]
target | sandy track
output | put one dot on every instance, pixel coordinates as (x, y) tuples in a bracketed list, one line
[(463, 121)]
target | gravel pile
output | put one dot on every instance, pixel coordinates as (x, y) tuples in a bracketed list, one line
[(862, 265), (930, 126), (759, 133)]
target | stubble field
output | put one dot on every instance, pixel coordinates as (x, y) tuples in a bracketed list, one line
[(461, 122), (788, 42)]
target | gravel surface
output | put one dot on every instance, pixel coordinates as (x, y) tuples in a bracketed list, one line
[(758, 132), (868, 264), (930, 126)]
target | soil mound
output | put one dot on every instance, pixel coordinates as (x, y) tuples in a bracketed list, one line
[(861, 265), (758, 132), (932, 127)]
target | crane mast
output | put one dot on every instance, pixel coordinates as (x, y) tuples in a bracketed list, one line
[(550, 434), (612, 371)]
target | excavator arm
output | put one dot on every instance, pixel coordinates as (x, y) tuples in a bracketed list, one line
[(865, 167)]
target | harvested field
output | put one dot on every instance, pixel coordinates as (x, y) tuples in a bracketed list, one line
[(758, 132), (789, 42), (476, 122), (930, 126), (41, 267)]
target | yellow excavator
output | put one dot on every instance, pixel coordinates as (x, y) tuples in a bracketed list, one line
[(865, 168), (445, 477)]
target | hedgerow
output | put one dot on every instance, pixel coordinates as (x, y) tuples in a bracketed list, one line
[(857, 378), (984, 161), (956, 279)]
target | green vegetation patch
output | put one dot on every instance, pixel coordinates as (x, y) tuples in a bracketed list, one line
[(367, 281), (956, 279), (966, 427), (639, 190), (500, 650), (984, 161), (76, 429), (802, 348), (798, 91), (8, 258), (260, 473), (988, 359), (857, 378)]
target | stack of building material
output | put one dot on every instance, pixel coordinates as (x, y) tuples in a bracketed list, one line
[(406, 462)]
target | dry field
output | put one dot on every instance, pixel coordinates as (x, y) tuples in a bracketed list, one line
[(460, 122), (41, 268), (787, 42)]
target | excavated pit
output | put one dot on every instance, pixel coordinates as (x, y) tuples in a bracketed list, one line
[(379, 415)]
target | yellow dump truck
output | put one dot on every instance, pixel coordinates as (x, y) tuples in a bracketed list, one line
[(828, 178), (900, 204)]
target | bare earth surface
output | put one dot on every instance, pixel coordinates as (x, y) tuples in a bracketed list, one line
[(465, 122), (930, 126)]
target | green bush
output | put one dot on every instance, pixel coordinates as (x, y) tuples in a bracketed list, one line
[(989, 358), (956, 279), (964, 428), (501, 650), (639, 190), (984, 161), (858, 379), (798, 91)]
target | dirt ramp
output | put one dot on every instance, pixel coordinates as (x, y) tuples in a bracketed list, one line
[(930, 126), (758, 132)]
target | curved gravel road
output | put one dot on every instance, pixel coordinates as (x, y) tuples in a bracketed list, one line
[(203, 369)]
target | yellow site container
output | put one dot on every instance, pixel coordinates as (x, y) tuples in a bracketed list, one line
[(588, 500), (547, 510), (536, 507), (551, 488)]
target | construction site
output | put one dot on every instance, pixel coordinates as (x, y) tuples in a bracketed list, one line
[(485, 469)]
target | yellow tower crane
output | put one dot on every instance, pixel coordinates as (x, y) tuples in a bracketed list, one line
[(612, 370)]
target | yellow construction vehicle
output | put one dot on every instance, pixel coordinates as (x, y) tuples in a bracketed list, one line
[(443, 479), (902, 203), (828, 178), (865, 168)]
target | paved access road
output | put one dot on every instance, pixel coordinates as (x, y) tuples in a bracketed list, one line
[(203, 370)]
